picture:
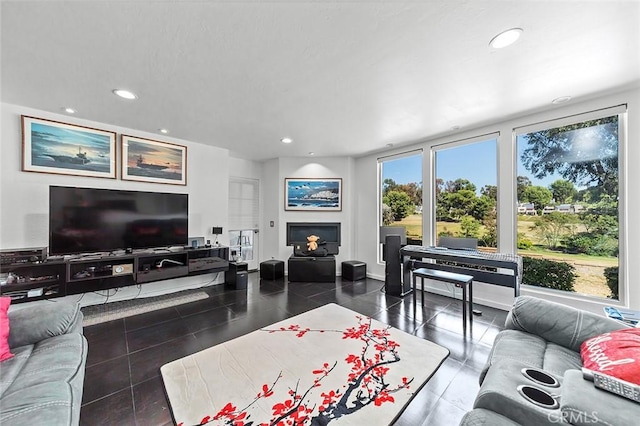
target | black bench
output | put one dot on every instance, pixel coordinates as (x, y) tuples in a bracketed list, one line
[(459, 280)]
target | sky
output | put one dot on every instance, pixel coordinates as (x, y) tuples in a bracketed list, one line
[(476, 162)]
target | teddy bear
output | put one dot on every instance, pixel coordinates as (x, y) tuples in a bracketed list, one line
[(313, 242)]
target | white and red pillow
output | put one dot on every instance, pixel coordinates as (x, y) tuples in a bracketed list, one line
[(5, 351), (616, 354)]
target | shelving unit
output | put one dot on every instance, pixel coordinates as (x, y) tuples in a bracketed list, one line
[(99, 273), (25, 282)]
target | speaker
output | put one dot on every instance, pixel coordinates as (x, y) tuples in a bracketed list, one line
[(393, 267)]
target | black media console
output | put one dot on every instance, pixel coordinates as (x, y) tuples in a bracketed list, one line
[(54, 277)]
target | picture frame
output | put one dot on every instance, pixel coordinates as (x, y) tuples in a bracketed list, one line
[(146, 160), (313, 194), (55, 147)]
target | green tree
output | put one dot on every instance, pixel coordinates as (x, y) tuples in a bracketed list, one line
[(490, 191), (563, 191), (469, 227), (583, 153), (481, 207), (460, 185), (460, 203), (413, 190), (554, 227), (399, 203), (537, 195), (523, 183)]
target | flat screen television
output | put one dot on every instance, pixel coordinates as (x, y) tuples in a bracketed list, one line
[(299, 231), (85, 220)]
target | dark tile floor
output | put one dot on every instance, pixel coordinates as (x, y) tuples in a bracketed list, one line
[(123, 383)]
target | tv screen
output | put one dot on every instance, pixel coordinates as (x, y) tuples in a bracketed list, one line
[(299, 231), (85, 220)]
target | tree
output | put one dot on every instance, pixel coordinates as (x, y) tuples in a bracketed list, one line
[(469, 227), (413, 190), (537, 195), (481, 207), (583, 153), (399, 203), (490, 191), (563, 191), (460, 203), (523, 183), (553, 227), (460, 185)]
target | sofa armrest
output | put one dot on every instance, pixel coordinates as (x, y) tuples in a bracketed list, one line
[(33, 324), (582, 403), (557, 323)]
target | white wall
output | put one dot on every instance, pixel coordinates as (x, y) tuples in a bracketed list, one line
[(367, 199), (24, 196), (274, 174)]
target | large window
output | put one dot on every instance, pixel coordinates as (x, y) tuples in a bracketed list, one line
[(466, 191), (568, 223), (401, 194)]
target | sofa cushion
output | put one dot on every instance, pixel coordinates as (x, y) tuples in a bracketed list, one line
[(531, 350), (45, 379), (5, 351), (616, 354), (29, 326)]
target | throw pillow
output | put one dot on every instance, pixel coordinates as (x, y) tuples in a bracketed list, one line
[(5, 351), (616, 354)]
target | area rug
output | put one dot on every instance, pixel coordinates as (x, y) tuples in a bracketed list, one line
[(328, 365), (96, 314)]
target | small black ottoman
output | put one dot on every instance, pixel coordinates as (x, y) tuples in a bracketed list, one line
[(354, 270), (271, 269)]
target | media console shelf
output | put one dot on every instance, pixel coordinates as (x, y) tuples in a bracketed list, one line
[(25, 282)]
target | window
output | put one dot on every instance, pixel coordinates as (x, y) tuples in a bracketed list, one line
[(466, 191), (568, 225), (401, 193)]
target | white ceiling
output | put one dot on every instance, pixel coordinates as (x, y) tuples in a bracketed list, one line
[(340, 78)]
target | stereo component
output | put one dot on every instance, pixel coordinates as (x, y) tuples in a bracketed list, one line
[(25, 255)]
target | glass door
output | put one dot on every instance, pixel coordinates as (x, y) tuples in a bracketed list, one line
[(242, 247)]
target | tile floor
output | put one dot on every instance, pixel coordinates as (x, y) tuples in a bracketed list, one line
[(123, 384)]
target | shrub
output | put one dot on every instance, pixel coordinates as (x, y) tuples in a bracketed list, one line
[(523, 242), (611, 274), (591, 244), (548, 274)]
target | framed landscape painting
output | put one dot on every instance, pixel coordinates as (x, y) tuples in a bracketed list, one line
[(145, 160), (313, 194), (53, 147)]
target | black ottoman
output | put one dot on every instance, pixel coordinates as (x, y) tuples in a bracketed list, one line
[(354, 270), (272, 269)]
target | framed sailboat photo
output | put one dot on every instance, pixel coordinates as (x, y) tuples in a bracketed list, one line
[(53, 147), (146, 160)]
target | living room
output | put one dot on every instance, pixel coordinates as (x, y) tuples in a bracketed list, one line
[(213, 161)]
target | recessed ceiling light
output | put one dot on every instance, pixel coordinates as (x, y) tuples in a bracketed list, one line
[(125, 94), (389, 145), (506, 38), (69, 110), (561, 100), (311, 153), (165, 131), (455, 127), (286, 140)]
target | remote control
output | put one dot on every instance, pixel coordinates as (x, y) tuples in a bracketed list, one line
[(613, 384)]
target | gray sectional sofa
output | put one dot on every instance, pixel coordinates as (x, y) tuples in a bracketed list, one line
[(544, 336), (42, 384)]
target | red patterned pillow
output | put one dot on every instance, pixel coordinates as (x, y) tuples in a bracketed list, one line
[(5, 351), (616, 354)]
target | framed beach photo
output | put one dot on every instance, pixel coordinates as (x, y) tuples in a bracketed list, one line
[(146, 160), (313, 194), (68, 149)]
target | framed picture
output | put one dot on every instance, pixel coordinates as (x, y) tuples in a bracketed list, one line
[(313, 194), (68, 149), (145, 160)]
